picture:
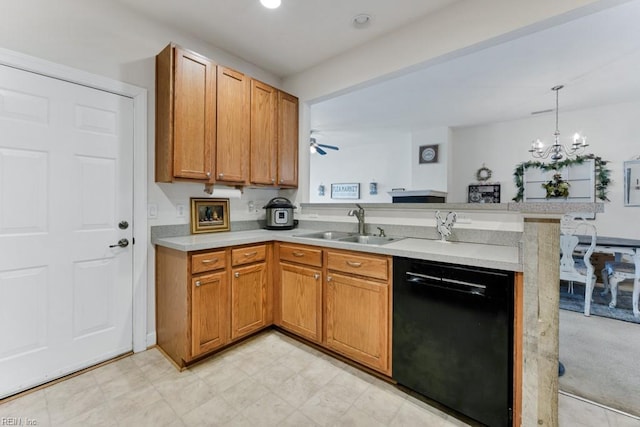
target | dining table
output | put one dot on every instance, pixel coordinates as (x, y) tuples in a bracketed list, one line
[(618, 247)]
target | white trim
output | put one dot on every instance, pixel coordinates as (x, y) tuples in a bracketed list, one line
[(140, 233), (152, 339)]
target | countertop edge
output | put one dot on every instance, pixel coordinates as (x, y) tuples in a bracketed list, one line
[(204, 242)]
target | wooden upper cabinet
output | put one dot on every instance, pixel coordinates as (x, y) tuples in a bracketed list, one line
[(287, 140), (264, 100), (233, 127), (185, 115)]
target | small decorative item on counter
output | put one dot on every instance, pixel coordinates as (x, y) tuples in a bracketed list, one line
[(373, 188), (557, 187), (445, 226), (321, 190)]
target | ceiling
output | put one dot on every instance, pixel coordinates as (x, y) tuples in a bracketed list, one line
[(596, 57), (290, 39)]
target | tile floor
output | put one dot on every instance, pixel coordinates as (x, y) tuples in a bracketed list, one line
[(270, 380)]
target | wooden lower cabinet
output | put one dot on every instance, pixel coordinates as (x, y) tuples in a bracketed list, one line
[(209, 311), (358, 319), (204, 301), (248, 299), (301, 300)]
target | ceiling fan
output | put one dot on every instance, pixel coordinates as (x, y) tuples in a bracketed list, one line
[(316, 147)]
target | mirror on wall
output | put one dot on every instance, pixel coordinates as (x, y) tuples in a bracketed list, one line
[(632, 183)]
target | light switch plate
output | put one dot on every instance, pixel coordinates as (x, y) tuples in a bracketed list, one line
[(180, 210), (152, 211)]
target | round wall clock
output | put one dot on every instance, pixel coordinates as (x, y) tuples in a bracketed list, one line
[(428, 154)]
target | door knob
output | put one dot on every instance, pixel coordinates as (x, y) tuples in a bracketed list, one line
[(123, 225), (123, 243)]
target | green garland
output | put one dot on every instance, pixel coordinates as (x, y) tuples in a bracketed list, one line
[(602, 173)]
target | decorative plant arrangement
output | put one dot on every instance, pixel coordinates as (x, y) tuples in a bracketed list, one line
[(557, 187), (602, 174)]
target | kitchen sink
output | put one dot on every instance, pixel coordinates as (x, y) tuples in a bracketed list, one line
[(370, 240), (327, 235), (343, 236)]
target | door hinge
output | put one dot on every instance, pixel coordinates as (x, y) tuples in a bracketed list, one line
[(133, 240)]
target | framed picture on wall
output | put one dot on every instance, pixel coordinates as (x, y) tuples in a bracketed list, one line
[(345, 191), (428, 154), (209, 215), (484, 193)]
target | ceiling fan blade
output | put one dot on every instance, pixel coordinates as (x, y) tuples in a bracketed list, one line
[(331, 147), (320, 151)]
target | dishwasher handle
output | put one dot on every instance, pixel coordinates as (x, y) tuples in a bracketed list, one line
[(446, 284)]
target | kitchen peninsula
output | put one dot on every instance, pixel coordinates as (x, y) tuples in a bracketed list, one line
[(536, 297)]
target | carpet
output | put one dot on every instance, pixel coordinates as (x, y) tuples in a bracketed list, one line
[(601, 362), (600, 303)]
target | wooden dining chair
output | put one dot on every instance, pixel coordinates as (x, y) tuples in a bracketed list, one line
[(614, 273), (577, 268)]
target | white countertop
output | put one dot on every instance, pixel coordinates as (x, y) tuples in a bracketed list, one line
[(472, 254)]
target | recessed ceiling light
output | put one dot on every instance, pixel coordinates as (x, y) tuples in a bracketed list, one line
[(270, 4), (361, 21)]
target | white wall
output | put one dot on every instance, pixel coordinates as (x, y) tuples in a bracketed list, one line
[(103, 38), (611, 131), (363, 157)]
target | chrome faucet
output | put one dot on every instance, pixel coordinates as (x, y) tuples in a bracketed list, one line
[(360, 215)]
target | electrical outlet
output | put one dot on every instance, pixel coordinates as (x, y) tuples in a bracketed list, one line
[(180, 210), (152, 211)]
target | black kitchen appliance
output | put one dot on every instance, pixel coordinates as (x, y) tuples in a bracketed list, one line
[(453, 336), (279, 214)]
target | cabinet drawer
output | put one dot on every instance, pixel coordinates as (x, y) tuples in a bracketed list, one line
[(207, 261), (357, 263), (248, 254), (301, 255)]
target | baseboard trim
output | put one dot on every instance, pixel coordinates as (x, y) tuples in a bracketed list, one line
[(591, 402)]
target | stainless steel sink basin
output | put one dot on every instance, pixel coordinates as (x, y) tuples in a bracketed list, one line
[(327, 235), (370, 240)]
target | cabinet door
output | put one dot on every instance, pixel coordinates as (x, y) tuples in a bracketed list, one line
[(301, 300), (248, 299), (263, 133), (209, 302), (194, 118), (357, 318), (232, 145), (287, 140)]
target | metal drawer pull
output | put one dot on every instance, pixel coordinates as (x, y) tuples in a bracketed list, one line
[(250, 254), (329, 278), (298, 254), (316, 276), (209, 261), (236, 274), (198, 283), (354, 264)]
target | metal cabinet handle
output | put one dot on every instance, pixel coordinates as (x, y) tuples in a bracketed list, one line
[(208, 174), (273, 180), (354, 264), (236, 274), (329, 278), (123, 243), (220, 175), (316, 276), (251, 254), (198, 283), (281, 181), (298, 254), (209, 261)]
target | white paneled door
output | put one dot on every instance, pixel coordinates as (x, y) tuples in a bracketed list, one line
[(66, 193)]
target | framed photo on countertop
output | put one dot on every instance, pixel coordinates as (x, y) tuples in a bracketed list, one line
[(209, 215)]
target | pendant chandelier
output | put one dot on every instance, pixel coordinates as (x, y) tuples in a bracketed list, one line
[(557, 151)]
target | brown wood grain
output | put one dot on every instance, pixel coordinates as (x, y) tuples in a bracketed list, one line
[(263, 133), (208, 261), (248, 254), (301, 254), (368, 265), (287, 140), (248, 299), (209, 312), (301, 300)]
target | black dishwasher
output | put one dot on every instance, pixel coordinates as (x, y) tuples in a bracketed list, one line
[(453, 336)]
